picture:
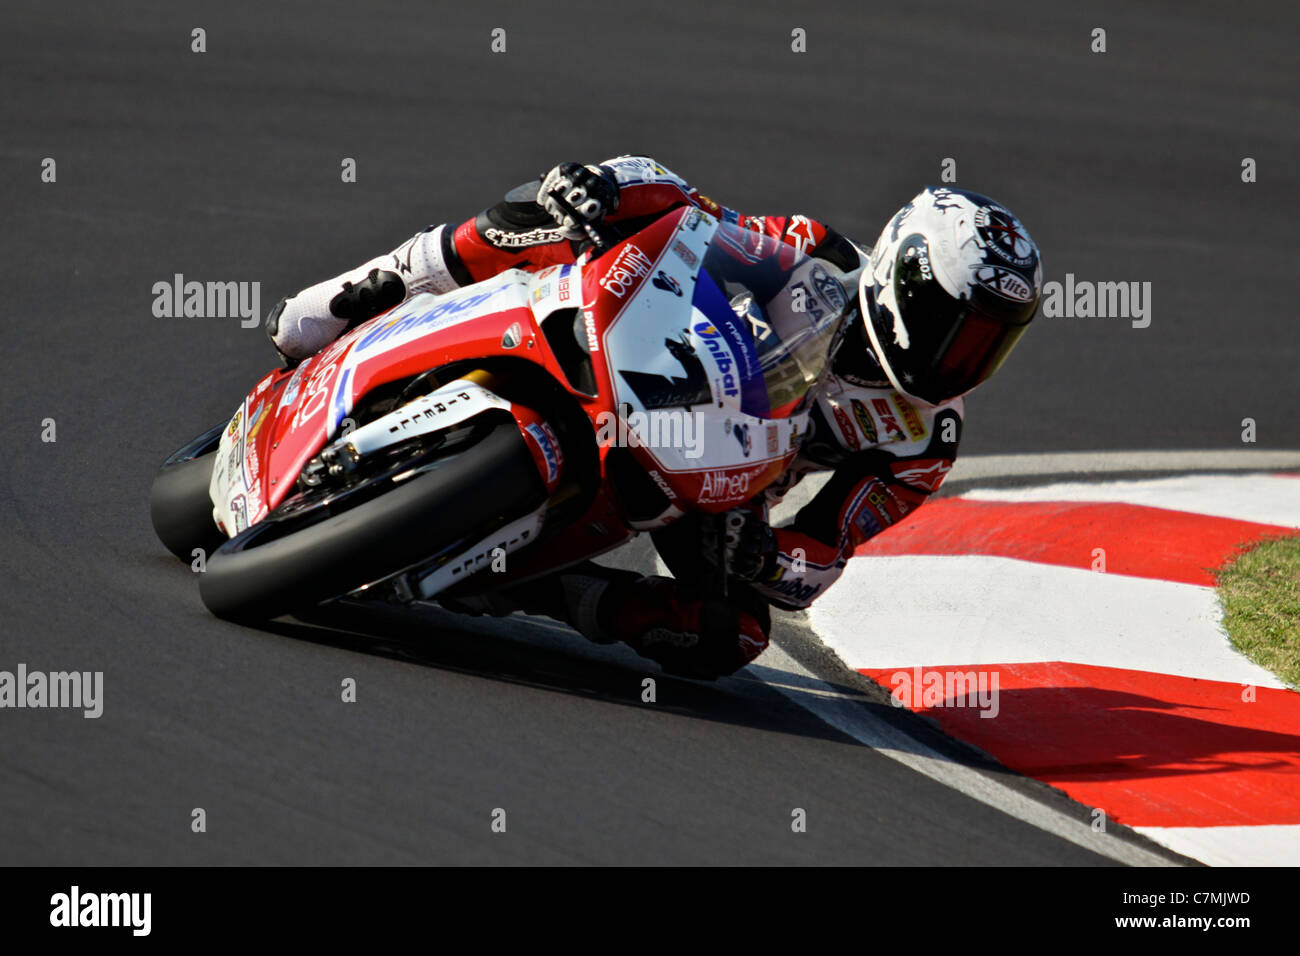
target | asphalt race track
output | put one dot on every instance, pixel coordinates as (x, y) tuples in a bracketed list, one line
[(225, 165)]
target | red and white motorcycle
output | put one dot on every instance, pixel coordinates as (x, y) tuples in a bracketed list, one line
[(546, 416)]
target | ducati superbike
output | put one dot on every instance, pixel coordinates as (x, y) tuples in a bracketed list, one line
[(465, 441)]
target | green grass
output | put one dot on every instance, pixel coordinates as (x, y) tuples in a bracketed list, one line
[(1260, 593)]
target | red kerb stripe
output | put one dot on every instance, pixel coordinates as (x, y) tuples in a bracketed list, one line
[(1136, 540), (1149, 749)]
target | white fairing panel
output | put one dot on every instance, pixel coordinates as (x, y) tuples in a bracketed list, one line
[(662, 348)]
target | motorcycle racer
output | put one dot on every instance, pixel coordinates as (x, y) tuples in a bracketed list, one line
[(941, 299)]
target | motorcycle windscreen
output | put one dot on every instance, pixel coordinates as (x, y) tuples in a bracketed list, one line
[(776, 311)]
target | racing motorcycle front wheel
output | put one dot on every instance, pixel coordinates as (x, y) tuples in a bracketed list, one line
[(306, 552)]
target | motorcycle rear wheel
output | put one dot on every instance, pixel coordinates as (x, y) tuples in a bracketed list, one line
[(179, 506)]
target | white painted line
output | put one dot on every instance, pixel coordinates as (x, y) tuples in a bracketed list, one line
[(1099, 462), (903, 611), (1266, 845), (1265, 499)]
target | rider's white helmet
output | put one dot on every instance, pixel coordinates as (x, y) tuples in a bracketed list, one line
[(951, 285)]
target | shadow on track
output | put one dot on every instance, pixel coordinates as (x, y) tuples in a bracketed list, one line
[(535, 653)]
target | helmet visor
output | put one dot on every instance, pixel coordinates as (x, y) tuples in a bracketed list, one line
[(952, 344)]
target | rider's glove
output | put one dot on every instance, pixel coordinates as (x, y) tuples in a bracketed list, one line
[(575, 195), (749, 544)]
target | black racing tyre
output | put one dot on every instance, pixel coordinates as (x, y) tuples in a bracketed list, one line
[(178, 502), (265, 572)]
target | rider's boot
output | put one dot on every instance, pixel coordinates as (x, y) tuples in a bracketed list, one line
[(303, 324), (687, 636)]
